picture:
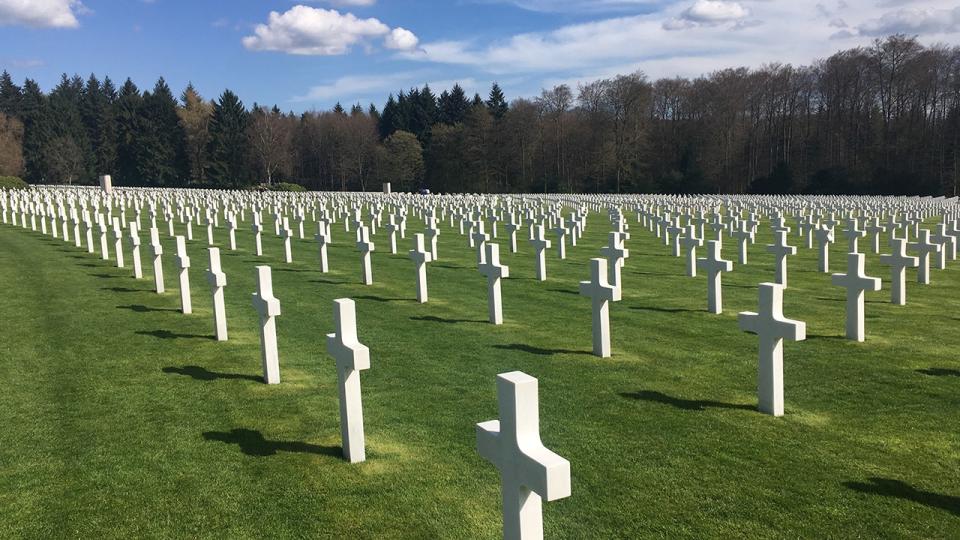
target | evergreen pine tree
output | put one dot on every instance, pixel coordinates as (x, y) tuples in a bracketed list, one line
[(126, 113), (9, 96), (37, 129), (66, 102), (497, 103), (453, 106), (161, 159), (106, 143), (228, 148), (387, 123)]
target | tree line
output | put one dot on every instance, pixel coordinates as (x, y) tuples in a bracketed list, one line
[(882, 119)]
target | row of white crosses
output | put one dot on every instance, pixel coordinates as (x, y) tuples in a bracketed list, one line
[(527, 463)]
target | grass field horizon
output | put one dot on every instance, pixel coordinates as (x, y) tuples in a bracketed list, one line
[(124, 418)]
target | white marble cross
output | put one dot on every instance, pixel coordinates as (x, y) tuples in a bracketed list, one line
[(853, 234), (924, 247), (601, 293), (269, 308), (529, 472), (772, 328), (104, 245), (824, 236), (480, 239), (217, 280), (157, 250), (366, 247), (856, 283), (232, 224), (392, 230), (540, 245), (287, 240), (135, 250), (615, 254), (714, 265), (257, 228), (432, 232), (512, 228), (874, 229), (690, 241), (899, 261), (946, 242), (351, 357), (494, 271), (183, 263), (780, 251), (118, 242), (420, 257), (323, 239), (561, 231), (745, 237)]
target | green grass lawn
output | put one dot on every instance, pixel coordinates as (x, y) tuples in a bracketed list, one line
[(123, 418)]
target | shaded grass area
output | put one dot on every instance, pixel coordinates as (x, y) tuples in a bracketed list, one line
[(124, 417)]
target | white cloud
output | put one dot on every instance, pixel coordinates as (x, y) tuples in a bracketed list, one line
[(401, 39), (40, 13), (913, 21), (679, 39), (314, 31), (364, 88), (714, 12)]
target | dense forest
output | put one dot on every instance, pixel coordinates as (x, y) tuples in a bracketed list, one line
[(882, 119)]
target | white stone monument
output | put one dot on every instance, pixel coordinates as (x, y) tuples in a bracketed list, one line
[(714, 266), (351, 357), (420, 257), (183, 263), (601, 293), (899, 261), (269, 309), (366, 247), (772, 328), (217, 280), (529, 472), (494, 272), (856, 282)]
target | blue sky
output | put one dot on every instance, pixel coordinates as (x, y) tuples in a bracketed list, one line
[(311, 54)]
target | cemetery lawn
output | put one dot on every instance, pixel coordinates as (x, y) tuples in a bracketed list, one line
[(123, 418)]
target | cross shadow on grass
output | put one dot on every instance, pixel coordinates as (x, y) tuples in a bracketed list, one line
[(940, 372), (381, 298), (565, 291), (203, 374), (121, 289), (662, 274), (825, 299), (139, 308), (103, 276), (252, 443), (666, 310), (685, 404), (432, 318), (166, 334), (537, 350), (902, 490), (824, 336)]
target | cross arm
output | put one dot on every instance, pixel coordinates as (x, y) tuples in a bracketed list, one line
[(488, 441), (544, 472)]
